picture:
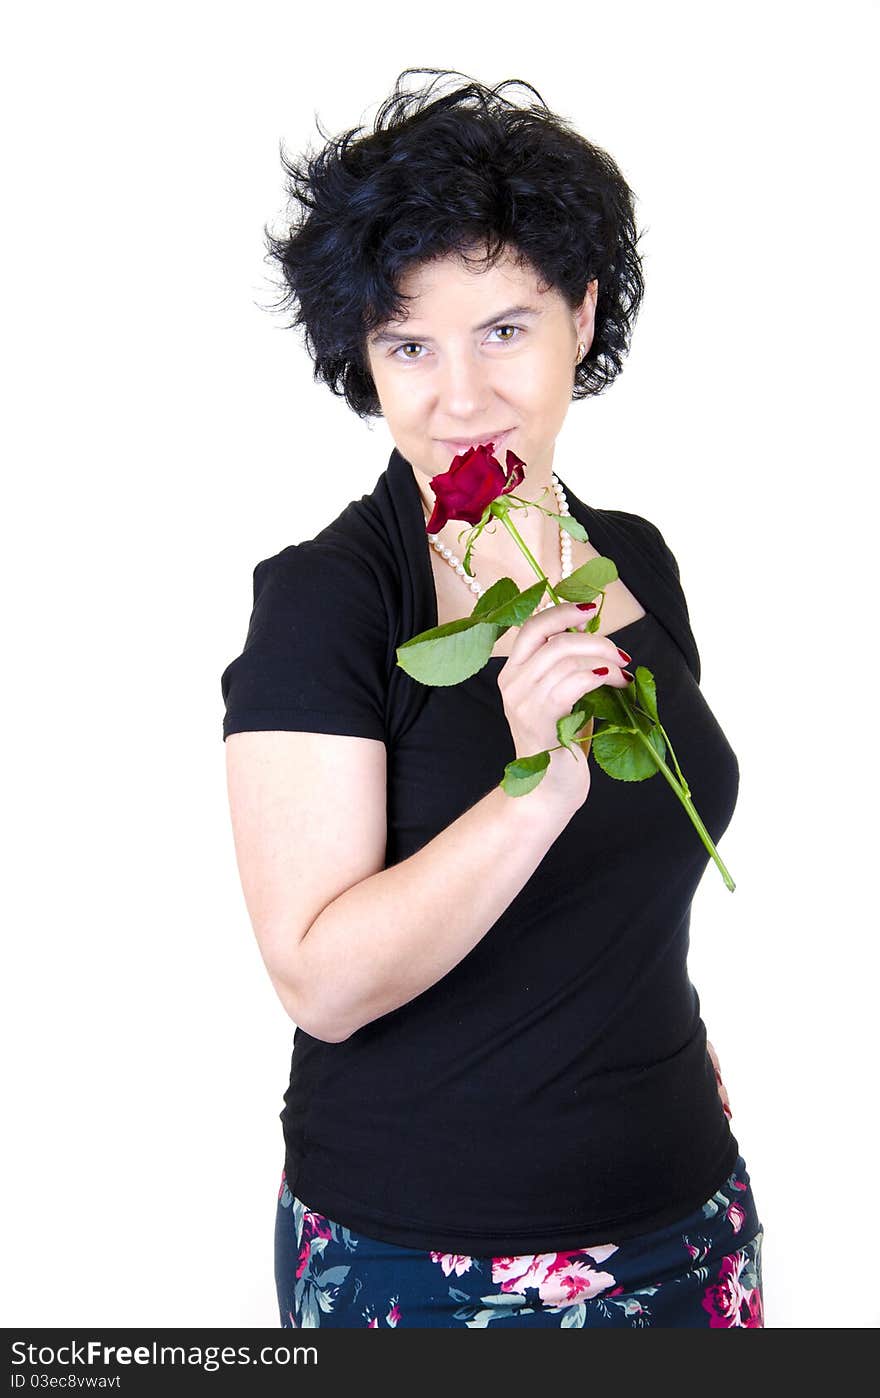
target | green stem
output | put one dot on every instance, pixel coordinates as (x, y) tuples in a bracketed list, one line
[(532, 504), (682, 791), (512, 529), (680, 787), (684, 784)]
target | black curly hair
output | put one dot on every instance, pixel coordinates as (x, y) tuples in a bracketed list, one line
[(468, 169)]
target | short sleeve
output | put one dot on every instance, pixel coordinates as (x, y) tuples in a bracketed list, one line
[(666, 552), (315, 655), (671, 563), (671, 604), (662, 552)]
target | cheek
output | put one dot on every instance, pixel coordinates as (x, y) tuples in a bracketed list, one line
[(396, 404), (541, 388)]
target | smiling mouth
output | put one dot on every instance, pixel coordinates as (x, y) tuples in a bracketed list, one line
[(494, 437)]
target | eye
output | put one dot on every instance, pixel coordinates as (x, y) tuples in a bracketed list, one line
[(414, 344), (518, 328)]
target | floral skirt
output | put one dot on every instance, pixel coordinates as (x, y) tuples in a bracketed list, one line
[(702, 1272)]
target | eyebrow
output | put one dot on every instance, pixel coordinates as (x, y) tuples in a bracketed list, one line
[(388, 337)]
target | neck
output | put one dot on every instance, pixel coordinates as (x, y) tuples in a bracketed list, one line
[(496, 553)]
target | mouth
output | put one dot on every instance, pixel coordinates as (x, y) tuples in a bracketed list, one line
[(458, 448)]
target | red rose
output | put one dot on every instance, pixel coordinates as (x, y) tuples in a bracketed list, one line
[(472, 482)]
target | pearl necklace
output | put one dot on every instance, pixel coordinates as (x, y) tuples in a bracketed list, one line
[(564, 548)]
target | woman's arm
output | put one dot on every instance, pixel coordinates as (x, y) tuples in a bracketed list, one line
[(722, 1090), (345, 939), (395, 933)]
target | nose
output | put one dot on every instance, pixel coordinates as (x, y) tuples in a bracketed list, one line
[(463, 389)]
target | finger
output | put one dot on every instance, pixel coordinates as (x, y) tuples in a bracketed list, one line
[(545, 646), (581, 678), (585, 654), (536, 629)]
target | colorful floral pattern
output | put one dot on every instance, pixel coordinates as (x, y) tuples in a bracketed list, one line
[(703, 1272)]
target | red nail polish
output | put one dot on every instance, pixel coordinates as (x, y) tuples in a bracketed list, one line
[(601, 670), (630, 679), (623, 655), (586, 606)]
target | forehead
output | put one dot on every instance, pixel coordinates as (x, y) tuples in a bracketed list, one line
[(471, 275), (454, 291)]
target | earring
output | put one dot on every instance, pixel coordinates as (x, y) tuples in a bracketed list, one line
[(581, 351)]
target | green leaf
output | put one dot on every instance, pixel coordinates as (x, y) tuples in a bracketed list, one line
[(650, 729), (501, 591), (480, 1319), (658, 743), (447, 628), (644, 691), (449, 653), (568, 726), (571, 526), (524, 773), (748, 1277), (518, 608), (574, 1317), (622, 754), (602, 703), (587, 582)]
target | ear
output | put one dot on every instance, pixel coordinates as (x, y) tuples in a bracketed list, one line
[(585, 315)]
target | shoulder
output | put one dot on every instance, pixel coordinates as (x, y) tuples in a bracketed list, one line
[(316, 654), (324, 574), (336, 561), (646, 534), (351, 558)]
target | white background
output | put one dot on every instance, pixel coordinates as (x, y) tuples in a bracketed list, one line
[(164, 433)]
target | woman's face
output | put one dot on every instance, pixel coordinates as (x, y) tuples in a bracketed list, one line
[(467, 365)]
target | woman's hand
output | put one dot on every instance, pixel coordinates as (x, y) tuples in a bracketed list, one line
[(547, 670), (722, 1090)]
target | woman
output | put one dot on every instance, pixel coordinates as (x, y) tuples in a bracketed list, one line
[(502, 1106)]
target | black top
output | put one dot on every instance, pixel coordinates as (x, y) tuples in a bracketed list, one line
[(553, 1090)]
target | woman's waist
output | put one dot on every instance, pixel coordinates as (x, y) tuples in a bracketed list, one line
[(512, 1087)]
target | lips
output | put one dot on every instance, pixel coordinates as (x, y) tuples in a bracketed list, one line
[(457, 448)]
